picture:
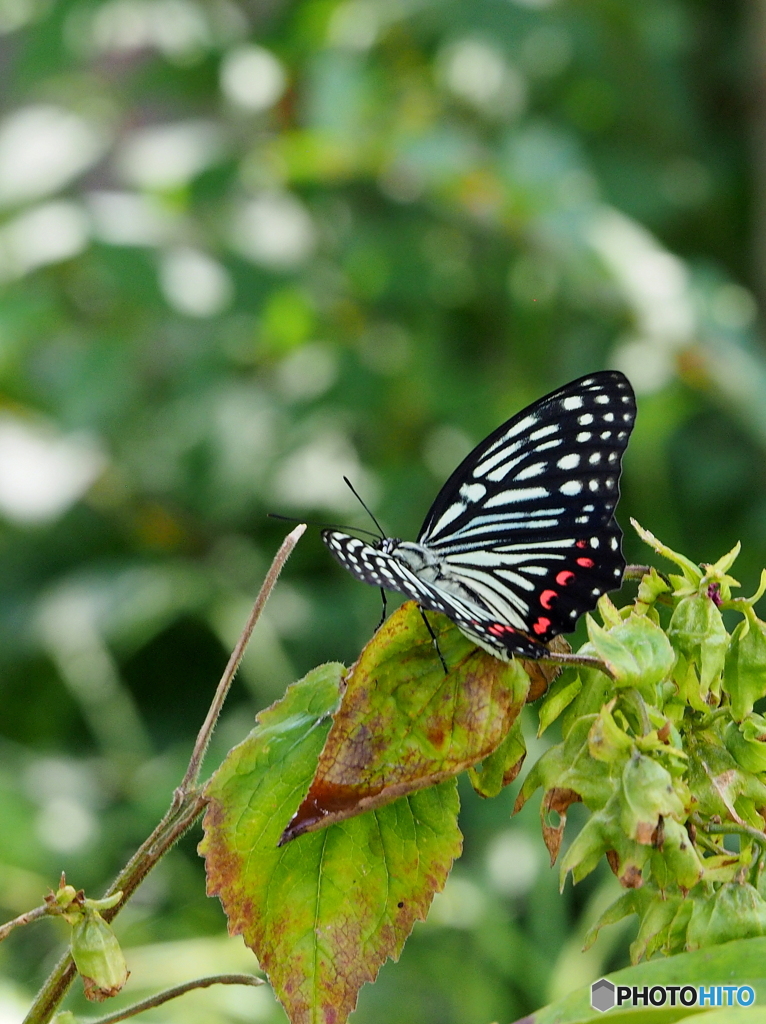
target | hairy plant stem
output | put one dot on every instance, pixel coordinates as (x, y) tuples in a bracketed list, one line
[(585, 660), (174, 993), (730, 828), (187, 804), (30, 915)]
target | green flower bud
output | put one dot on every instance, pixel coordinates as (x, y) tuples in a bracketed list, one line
[(647, 794), (606, 740), (697, 631), (65, 1017), (677, 860), (637, 652), (65, 895), (97, 956), (745, 670), (747, 742), (654, 927), (649, 589), (737, 911)]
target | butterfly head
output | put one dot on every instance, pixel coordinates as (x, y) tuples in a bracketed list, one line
[(387, 544)]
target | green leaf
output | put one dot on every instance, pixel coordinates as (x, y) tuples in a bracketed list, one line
[(560, 696), (403, 724), (746, 742), (692, 572), (647, 795), (502, 766), (736, 963), (323, 912), (637, 652), (603, 833), (569, 765), (697, 631), (736, 911), (606, 740)]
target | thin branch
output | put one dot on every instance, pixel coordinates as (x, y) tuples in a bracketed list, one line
[(635, 572), (187, 804), (203, 738), (586, 660), (729, 828), (174, 993), (30, 915)]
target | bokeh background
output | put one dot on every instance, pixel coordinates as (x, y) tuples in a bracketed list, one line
[(248, 247)]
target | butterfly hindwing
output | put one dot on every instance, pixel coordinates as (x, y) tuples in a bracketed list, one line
[(371, 565)]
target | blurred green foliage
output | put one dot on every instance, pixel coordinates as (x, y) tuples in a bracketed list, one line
[(248, 247)]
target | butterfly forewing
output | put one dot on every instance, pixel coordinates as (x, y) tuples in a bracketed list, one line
[(522, 537)]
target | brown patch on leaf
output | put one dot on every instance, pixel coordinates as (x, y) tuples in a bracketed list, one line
[(558, 801), (513, 771), (403, 724), (629, 875), (645, 832)]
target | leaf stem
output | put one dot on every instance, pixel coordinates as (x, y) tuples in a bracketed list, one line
[(174, 993), (186, 806)]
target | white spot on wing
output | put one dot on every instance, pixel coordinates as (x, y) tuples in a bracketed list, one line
[(517, 494), (544, 432), (569, 461), (585, 419), (571, 487), (573, 402), (473, 492), (534, 470)]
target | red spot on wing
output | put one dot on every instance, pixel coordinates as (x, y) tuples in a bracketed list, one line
[(586, 563), (498, 628), (564, 577), (581, 544), (546, 597), (541, 625)]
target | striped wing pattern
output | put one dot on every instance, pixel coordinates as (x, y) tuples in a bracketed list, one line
[(522, 538)]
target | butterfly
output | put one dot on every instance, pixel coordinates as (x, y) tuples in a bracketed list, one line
[(522, 539)]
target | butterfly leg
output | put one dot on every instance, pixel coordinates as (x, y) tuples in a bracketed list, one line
[(433, 637), (384, 599)]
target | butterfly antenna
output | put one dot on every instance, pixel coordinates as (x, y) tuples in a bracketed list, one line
[(322, 526), (364, 506)]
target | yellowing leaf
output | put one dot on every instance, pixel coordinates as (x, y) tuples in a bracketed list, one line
[(404, 724), (323, 912)]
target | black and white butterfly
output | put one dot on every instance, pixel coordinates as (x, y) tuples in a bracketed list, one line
[(522, 539)]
